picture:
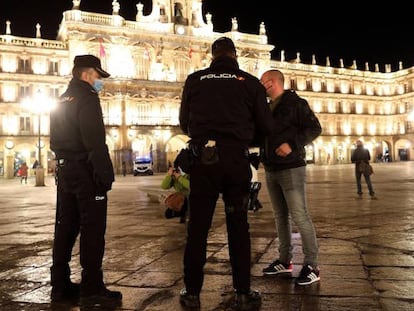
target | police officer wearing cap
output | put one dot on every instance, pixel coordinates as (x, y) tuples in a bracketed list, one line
[(222, 109), (84, 175)]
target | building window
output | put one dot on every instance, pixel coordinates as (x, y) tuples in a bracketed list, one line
[(293, 84), (143, 114), (181, 68), (54, 92), (24, 124), (24, 91), (308, 85), (143, 60), (53, 68), (24, 66)]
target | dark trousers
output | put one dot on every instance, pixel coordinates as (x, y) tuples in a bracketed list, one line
[(358, 176), (230, 176), (79, 210)]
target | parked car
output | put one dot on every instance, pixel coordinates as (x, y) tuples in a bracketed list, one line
[(143, 166)]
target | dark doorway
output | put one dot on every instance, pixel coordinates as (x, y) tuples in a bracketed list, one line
[(403, 154)]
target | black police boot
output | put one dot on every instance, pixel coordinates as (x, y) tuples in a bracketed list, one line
[(104, 297), (253, 202), (248, 301), (63, 290), (189, 301), (67, 292)]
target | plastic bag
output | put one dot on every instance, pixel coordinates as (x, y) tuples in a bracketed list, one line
[(175, 201)]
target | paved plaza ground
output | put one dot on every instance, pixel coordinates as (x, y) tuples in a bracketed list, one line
[(366, 246)]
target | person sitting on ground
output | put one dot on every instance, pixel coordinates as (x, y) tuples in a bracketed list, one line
[(178, 180)]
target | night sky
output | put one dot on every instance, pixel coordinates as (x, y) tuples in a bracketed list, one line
[(377, 34)]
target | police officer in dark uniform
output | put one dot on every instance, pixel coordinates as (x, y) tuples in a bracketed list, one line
[(222, 108), (84, 175)]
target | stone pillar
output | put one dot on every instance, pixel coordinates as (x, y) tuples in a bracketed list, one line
[(125, 151), (160, 161), (9, 166)]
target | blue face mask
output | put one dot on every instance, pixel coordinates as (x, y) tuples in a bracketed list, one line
[(98, 85)]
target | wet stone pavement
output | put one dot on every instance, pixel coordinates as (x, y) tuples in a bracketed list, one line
[(366, 246)]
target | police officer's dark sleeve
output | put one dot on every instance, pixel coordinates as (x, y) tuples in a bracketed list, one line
[(93, 135), (184, 109), (263, 119)]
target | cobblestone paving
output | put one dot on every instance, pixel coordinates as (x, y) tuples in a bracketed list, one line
[(366, 246)]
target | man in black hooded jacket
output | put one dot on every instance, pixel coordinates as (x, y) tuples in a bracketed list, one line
[(283, 156)]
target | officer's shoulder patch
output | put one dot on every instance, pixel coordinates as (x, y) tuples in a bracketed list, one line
[(67, 99)]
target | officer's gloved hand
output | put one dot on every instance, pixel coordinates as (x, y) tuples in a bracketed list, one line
[(103, 188), (103, 185), (103, 172)]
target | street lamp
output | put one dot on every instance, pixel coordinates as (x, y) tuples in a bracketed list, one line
[(39, 168), (39, 104)]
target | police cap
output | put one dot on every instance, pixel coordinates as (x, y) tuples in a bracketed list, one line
[(90, 61)]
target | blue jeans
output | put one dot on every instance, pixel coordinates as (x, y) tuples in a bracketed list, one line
[(358, 176), (287, 191)]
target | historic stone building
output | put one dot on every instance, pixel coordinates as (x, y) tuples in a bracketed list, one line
[(149, 59)]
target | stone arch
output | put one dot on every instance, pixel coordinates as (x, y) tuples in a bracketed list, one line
[(403, 150), (24, 152), (180, 12), (382, 151), (141, 146)]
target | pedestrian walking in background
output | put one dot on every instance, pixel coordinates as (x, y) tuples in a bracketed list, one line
[(283, 156), (220, 110), (35, 165), (124, 169), (23, 172), (84, 176), (361, 156)]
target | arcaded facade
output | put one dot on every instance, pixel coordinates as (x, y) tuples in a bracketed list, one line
[(149, 59)]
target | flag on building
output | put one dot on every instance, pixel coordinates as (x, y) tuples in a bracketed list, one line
[(102, 52), (147, 54)]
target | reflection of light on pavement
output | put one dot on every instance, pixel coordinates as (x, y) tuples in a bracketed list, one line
[(254, 174)]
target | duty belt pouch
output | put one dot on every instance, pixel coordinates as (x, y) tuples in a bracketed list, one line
[(209, 155)]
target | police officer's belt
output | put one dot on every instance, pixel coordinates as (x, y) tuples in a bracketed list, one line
[(71, 156)]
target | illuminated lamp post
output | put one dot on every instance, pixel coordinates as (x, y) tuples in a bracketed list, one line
[(40, 172), (39, 104)]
